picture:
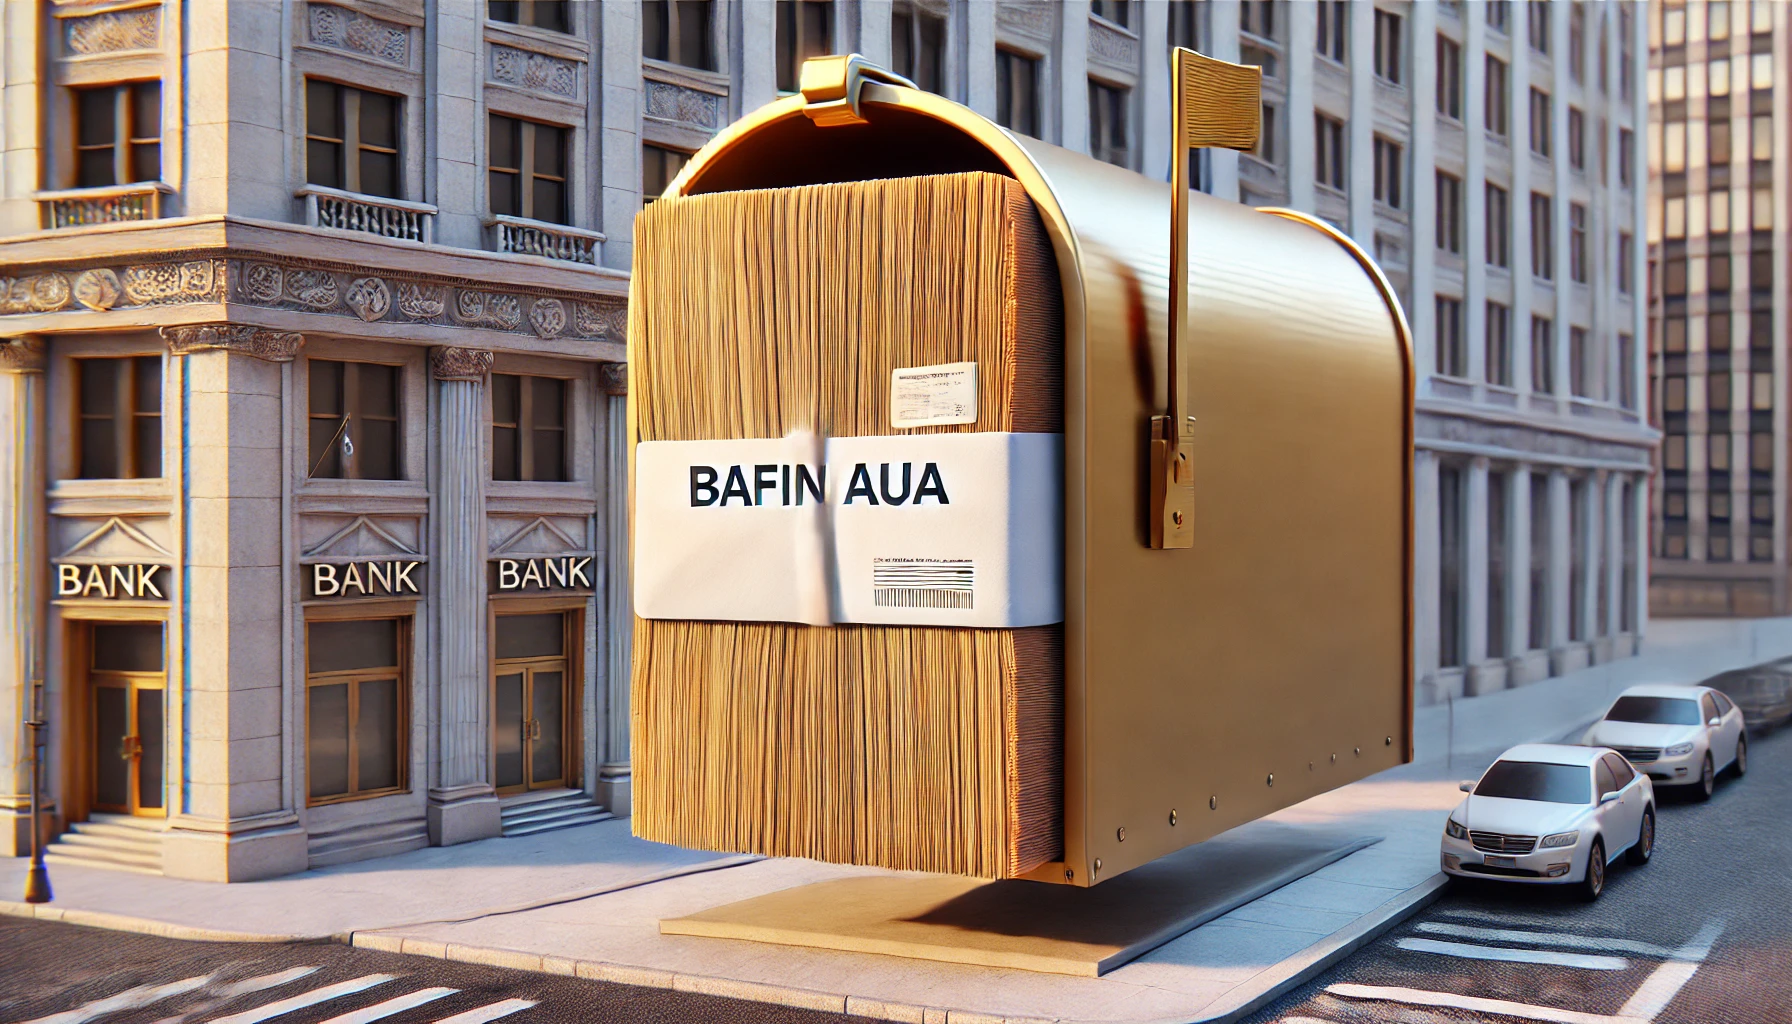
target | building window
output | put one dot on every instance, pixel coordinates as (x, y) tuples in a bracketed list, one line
[(526, 165), (1449, 77), (354, 420), (1537, 20), (1499, 344), (1543, 250), (1329, 151), (1334, 24), (119, 433), (356, 711), (1499, 15), (1017, 92), (1112, 10), (1577, 243), (1577, 43), (552, 15), (1540, 127), (1497, 536), (1717, 143), (1543, 355), (1258, 18), (1581, 372), (1626, 46), (1499, 227), (1760, 273), (1626, 261), (1185, 24), (1107, 123), (1627, 557), (1761, 139), (1450, 571), (659, 166), (1449, 213), (1579, 540), (1452, 347), (679, 32), (1389, 164), (118, 134), (529, 417), (1577, 139), (1627, 371), (1387, 46), (805, 29), (1498, 102), (1266, 150), (918, 46), (351, 139), (1539, 632)]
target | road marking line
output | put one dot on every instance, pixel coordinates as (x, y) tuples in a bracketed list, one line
[(392, 1006), (1659, 989), (489, 1012), (265, 981), (1699, 946), (129, 999), (1462, 931), (1515, 956), (1421, 997), (304, 999)]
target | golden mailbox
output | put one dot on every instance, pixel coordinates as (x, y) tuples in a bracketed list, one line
[(1268, 661)]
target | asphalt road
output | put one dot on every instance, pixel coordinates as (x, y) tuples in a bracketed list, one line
[(1701, 935), (73, 975)]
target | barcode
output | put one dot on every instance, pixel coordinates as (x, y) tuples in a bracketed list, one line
[(922, 583)]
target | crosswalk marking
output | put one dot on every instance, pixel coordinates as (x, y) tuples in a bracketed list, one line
[(405, 1002), (1595, 942), (304, 999), (1584, 961), (129, 999), (1655, 993), (490, 1012), (264, 982), (1421, 997)]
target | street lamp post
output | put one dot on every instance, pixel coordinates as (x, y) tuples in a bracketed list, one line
[(37, 880)]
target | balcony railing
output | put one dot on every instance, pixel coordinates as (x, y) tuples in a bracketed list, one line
[(539, 238), (107, 204), (375, 215)]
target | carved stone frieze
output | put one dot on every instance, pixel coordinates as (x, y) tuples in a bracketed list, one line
[(537, 72), (420, 303), (188, 281), (41, 293), (114, 31), (609, 320), (447, 363), (1027, 17), (1109, 45), (1432, 427), (260, 342), (612, 378), (22, 355), (547, 317), (687, 106), (97, 289), (342, 29), (487, 309), (369, 297)]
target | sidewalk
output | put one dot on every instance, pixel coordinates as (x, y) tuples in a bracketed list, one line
[(588, 901)]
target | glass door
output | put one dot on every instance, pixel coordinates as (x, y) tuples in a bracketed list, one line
[(128, 680), (530, 697)]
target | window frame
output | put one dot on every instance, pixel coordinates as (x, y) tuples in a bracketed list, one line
[(1104, 119), (403, 616), (1331, 146), (125, 138), (1542, 123), (1543, 351), (1497, 353), (670, 151), (351, 416), (1578, 217), (1390, 168), (526, 428), (528, 17), (526, 174), (1543, 254), (1012, 66), (918, 18), (1333, 39), (792, 48), (675, 31), (126, 416), (1449, 77), (1497, 109), (1499, 226), (1449, 213), (1452, 338), (1389, 60), (350, 146)]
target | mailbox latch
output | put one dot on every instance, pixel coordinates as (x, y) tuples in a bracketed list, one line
[(830, 87)]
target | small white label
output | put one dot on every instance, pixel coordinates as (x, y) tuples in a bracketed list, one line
[(924, 396)]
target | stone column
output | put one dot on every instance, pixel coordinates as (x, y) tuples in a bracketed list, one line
[(1518, 576), (1612, 623), (1478, 678), (1359, 149), (230, 818), (978, 57), (23, 597), (462, 804), (614, 777), (1297, 114), (1593, 510), (1426, 577), (1556, 586), (1220, 37), (1072, 101)]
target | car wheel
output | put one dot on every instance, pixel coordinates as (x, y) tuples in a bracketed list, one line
[(1594, 882), (1740, 765), (1645, 840), (1707, 780)]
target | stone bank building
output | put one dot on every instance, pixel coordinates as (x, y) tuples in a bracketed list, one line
[(312, 333)]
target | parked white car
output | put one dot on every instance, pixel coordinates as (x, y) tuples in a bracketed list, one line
[(1549, 813), (1677, 735)]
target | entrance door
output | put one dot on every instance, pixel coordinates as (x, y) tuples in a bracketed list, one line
[(530, 698), (128, 680)]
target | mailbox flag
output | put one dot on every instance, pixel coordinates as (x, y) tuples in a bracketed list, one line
[(1222, 103)]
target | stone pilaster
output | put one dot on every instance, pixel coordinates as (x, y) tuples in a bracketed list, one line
[(230, 819), (462, 804), (1427, 551), (22, 583), (614, 777)]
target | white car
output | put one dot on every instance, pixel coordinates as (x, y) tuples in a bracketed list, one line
[(1677, 735), (1549, 813)]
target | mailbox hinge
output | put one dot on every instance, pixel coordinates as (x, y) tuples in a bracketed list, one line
[(830, 87)]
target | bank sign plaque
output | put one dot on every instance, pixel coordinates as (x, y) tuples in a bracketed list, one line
[(335, 580), (546, 574), (129, 582)]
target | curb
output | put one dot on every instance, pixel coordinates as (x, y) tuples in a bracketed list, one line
[(147, 926), (1241, 1002)]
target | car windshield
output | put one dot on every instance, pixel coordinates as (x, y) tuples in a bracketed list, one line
[(1534, 780), (1654, 711)]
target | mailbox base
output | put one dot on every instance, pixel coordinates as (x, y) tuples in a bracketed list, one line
[(1054, 929)]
